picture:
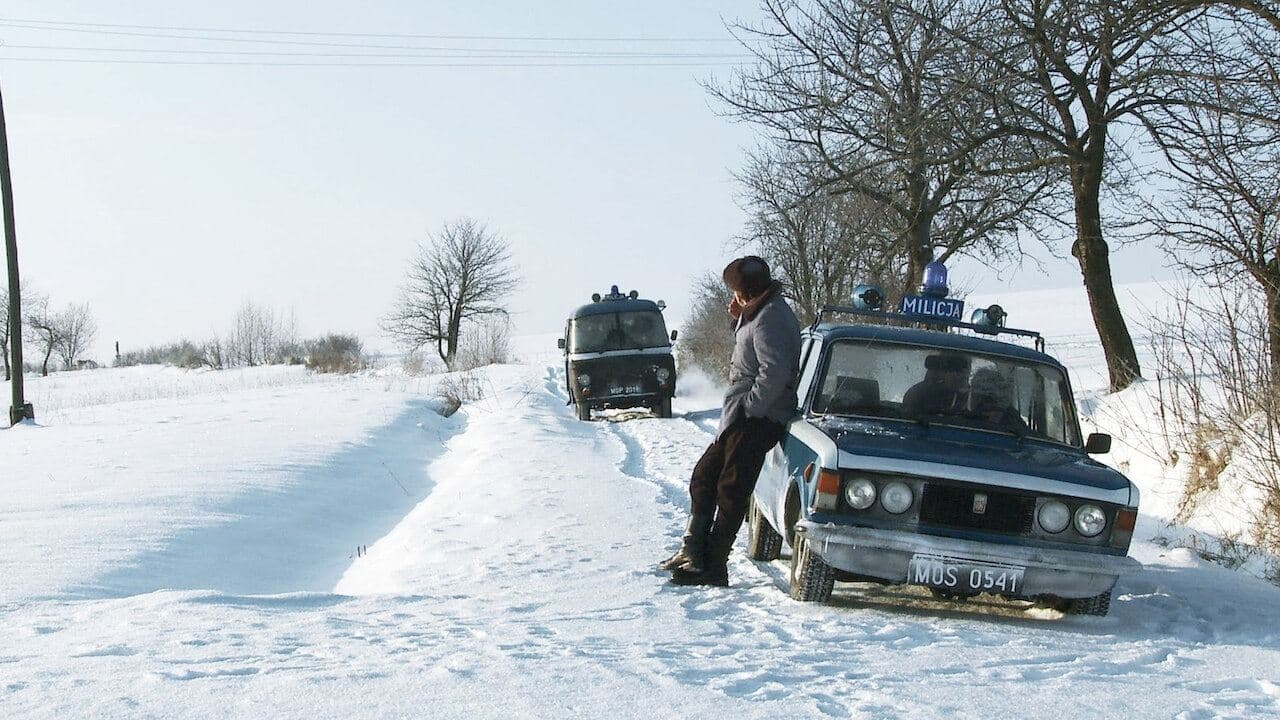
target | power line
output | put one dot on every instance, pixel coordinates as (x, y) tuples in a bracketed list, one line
[(71, 26), (566, 64), (470, 53), (250, 40)]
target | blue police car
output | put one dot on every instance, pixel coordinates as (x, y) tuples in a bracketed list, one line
[(932, 452)]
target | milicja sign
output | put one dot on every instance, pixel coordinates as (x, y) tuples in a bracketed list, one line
[(931, 307)]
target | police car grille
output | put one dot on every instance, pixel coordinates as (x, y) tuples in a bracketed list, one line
[(953, 507)]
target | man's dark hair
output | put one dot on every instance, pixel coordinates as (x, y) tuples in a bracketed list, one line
[(748, 275)]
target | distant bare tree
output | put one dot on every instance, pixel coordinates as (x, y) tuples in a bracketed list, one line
[(253, 338), (819, 245), (706, 341), (27, 298), (45, 328), (77, 331), (463, 273)]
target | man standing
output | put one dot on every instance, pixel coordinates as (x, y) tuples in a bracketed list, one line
[(760, 400)]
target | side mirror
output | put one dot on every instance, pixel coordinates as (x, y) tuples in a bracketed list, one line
[(1098, 444), (673, 336), (560, 343)]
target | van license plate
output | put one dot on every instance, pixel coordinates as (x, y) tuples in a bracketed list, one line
[(964, 575)]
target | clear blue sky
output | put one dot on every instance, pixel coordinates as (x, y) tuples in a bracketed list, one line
[(167, 194)]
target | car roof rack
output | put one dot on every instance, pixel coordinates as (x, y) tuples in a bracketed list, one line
[(925, 320)]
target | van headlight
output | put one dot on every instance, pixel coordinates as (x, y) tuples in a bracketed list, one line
[(1054, 516), (663, 375), (584, 379), (860, 493), (896, 497), (1090, 520)]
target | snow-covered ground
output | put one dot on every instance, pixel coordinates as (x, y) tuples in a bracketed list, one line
[(271, 544)]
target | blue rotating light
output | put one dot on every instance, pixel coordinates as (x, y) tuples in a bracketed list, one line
[(868, 297), (935, 280)]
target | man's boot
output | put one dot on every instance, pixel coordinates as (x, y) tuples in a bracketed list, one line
[(715, 571), (693, 550)]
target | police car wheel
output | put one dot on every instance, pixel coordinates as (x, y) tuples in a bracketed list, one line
[(812, 580), (1096, 605), (763, 542)]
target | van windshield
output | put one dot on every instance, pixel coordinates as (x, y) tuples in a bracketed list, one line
[(618, 331), (948, 387)]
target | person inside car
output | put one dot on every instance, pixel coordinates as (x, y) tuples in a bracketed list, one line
[(990, 396), (941, 392)]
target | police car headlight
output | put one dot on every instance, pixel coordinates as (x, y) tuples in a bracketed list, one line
[(584, 379), (896, 497), (860, 493), (663, 374), (1090, 520), (1054, 516)]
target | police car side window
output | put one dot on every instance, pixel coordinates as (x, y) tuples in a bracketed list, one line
[(809, 357)]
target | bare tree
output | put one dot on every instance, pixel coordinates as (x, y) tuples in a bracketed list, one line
[(77, 331), (1089, 73), (28, 299), (819, 245), (254, 336), (1223, 152), (463, 273), (45, 328), (878, 92)]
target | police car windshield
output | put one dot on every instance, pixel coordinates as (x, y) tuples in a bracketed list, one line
[(618, 331), (947, 387)]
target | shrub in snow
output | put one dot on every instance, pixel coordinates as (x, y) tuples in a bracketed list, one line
[(458, 389), (484, 343), (334, 353), (706, 341), (1219, 403)]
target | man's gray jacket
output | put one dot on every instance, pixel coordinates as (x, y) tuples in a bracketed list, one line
[(766, 365)]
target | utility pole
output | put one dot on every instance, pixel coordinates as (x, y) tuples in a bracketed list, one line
[(21, 409)]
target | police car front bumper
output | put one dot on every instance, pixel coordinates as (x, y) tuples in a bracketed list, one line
[(888, 555)]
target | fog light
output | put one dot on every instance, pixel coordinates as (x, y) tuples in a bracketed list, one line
[(1090, 520), (896, 497), (860, 493), (1054, 516)]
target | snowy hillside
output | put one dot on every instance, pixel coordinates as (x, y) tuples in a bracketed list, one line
[(273, 544)]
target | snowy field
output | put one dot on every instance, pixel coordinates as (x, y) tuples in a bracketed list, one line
[(271, 544)]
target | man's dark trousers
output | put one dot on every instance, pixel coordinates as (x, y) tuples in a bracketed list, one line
[(727, 472)]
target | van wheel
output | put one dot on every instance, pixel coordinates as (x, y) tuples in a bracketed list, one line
[(584, 411), (763, 542), (662, 408), (812, 580)]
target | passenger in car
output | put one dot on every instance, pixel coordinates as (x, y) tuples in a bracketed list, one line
[(990, 401), (941, 392)]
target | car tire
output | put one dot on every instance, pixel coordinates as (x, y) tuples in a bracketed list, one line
[(662, 408), (763, 542), (584, 410), (812, 579), (1096, 605)]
